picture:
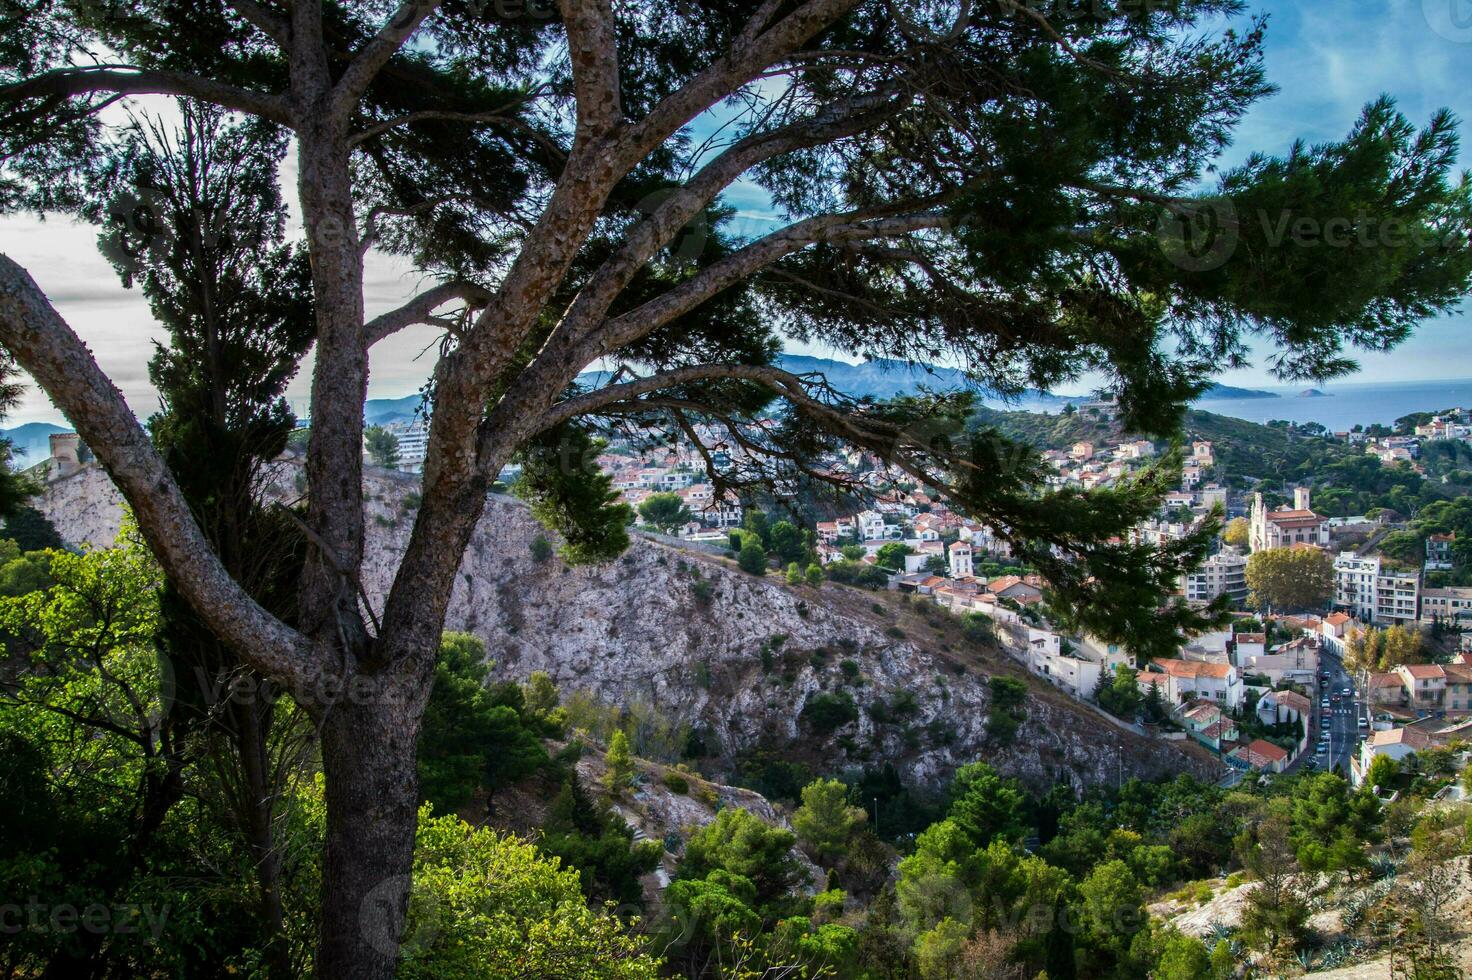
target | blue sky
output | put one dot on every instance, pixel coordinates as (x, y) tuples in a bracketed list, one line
[(1329, 57)]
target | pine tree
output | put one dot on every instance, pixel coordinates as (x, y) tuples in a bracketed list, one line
[(619, 764)]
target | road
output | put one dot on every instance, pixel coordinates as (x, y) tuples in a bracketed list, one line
[(1343, 729)]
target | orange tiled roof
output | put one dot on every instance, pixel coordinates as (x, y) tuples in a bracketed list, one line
[(1193, 668)]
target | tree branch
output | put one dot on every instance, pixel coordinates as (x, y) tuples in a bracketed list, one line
[(746, 262), (272, 25), (845, 118), (418, 309), (360, 72), (752, 53), (122, 80), (42, 342), (593, 50)]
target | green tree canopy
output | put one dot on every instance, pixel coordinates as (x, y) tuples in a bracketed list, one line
[(825, 821), (382, 446), (892, 555), (1290, 578), (665, 511)]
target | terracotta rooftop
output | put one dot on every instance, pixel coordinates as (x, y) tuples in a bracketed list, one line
[(1267, 750), (1412, 737), (1424, 672), (1193, 668), (1292, 699)]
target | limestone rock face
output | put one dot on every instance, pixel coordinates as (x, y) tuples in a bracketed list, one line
[(709, 646)]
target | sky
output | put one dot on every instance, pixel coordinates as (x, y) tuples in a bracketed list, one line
[(1328, 57)]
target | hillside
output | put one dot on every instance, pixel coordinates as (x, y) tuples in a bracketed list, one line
[(637, 630), (1242, 448)]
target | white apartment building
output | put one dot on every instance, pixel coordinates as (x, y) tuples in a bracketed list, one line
[(1375, 593), (413, 442), (1224, 573), (960, 563)]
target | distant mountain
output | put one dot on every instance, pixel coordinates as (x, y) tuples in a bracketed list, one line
[(1314, 393), (32, 441), (379, 411), (878, 379), (1224, 392)]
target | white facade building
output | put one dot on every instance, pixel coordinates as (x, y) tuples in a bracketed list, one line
[(1375, 593)]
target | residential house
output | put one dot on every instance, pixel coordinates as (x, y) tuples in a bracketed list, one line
[(1261, 755), (1457, 700), (1018, 589), (1206, 723), (1250, 645), (960, 560), (1187, 679), (1280, 707), (1335, 630), (1425, 685), (1439, 551), (1297, 661), (1396, 743)]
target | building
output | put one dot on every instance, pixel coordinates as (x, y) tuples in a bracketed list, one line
[(1446, 604), (960, 560), (1423, 689), (413, 438), (1188, 679), (1374, 592), (66, 455), (1286, 528), (1297, 661), (1261, 755), (1224, 573), (1280, 707), (1397, 743), (1439, 551)]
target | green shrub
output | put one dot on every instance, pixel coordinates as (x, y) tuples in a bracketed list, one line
[(676, 782), (825, 712)]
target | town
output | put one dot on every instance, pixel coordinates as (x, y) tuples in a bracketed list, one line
[(1302, 688)]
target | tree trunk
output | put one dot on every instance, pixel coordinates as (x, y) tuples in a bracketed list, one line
[(368, 746)]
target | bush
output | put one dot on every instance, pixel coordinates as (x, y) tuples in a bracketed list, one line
[(751, 558), (1008, 709), (676, 782), (541, 548), (825, 713)]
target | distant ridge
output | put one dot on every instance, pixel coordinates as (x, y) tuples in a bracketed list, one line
[(32, 441), (886, 378), (1223, 392)]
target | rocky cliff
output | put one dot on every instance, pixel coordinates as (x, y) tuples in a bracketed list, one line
[(749, 661)]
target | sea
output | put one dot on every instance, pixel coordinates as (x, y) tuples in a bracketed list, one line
[(1339, 408)]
